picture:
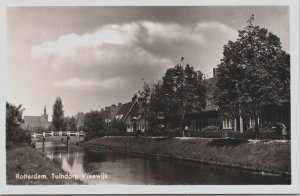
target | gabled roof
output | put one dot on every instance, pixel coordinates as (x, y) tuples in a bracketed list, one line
[(125, 110), (113, 111)]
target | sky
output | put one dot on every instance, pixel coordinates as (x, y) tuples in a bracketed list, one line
[(93, 57)]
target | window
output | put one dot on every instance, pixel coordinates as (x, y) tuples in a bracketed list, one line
[(227, 124), (192, 124), (130, 128), (252, 122)]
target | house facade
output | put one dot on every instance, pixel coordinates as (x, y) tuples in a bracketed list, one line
[(210, 115), (131, 114)]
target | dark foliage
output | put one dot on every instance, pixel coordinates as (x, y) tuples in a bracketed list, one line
[(58, 116), (14, 119), (254, 72), (92, 124)]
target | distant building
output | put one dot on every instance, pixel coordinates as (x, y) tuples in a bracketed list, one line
[(33, 122)]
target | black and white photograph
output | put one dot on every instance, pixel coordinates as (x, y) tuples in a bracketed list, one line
[(114, 97)]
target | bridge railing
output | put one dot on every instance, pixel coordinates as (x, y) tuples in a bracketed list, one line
[(60, 133)]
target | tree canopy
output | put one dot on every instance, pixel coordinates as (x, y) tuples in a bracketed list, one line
[(58, 115), (92, 124), (14, 119), (14, 116), (184, 90), (181, 91), (71, 124), (254, 72)]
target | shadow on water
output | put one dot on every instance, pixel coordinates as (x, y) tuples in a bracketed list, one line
[(227, 142), (127, 168)]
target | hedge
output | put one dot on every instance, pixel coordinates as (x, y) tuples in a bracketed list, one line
[(207, 132)]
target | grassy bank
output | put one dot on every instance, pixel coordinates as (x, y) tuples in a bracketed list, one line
[(269, 156), (22, 159)]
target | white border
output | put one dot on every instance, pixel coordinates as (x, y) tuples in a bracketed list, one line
[(158, 189)]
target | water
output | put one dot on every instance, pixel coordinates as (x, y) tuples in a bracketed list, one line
[(126, 168)]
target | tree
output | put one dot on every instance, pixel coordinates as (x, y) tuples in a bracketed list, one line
[(185, 91), (134, 98), (72, 125), (58, 115), (254, 72), (14, 119), (92, 124), (14, 116), (144, 101)]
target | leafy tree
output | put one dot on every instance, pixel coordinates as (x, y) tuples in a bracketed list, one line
[(134, 97), (72, 125), (144, 101), (254, 72), (14, 116), (92, 124), (184, 90), (14, 119), (58, 115)]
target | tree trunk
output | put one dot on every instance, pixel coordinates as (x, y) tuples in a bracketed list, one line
[(256, 125), (182, 123), (145, 123)]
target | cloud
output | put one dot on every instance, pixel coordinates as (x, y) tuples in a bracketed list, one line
[(119, 34), (78, 83), (211, 27), (131, 34), (140, 49)]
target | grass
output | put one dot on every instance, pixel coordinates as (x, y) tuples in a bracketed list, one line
[(22, 159), (269, 156)]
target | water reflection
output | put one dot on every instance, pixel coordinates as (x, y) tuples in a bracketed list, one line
[(122, 168)]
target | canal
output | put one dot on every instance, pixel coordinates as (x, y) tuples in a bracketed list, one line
[(111, 167)]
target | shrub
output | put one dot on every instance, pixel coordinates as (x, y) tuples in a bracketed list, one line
[(39, 130), (211, 128), (18, 135), (236, 134), (172, 133), (156, 132), (93, 125), (208, 133), (119, 133)]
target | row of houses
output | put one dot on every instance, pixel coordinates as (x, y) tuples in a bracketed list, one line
[(131, 114), (209, 116)]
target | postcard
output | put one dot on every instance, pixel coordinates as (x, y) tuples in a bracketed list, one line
[(150, 97)]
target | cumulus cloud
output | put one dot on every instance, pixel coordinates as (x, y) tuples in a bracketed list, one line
[(116, 52), (131, 34)]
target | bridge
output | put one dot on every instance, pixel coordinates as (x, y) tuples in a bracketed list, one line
[(60, 133)]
